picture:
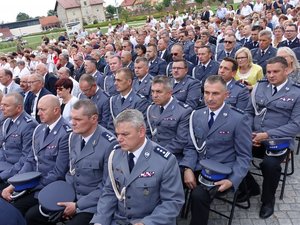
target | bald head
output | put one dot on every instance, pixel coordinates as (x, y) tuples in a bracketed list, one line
[(49, 109)]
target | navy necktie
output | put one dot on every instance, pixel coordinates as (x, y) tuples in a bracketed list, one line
[(161, 109), (9, 125), (122, 100), (211, 120), (130, 161), (47, 131), (274, 90), (82, 144)]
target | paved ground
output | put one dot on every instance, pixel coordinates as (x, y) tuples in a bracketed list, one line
[(287, 211)]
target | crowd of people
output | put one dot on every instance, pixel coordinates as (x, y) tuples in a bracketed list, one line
[(132, 117)]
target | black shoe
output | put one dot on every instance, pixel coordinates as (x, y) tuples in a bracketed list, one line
[(266, 210), (243, 196)]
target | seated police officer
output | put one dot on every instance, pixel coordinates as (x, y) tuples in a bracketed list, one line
[(238, 93), (127, 97), (49, 154), (89, 145), (167, 118), (274, 111), (221, 133), (17, 135), (144, 185)]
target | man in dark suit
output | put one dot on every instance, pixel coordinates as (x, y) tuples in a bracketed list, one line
[(265, 50), (163, 52), (97, 55), (26, 93), (79, 66), (290, 33), (36, 85), (49, 78), (285, 6), (157, 66), (64, 61), (126, 59)]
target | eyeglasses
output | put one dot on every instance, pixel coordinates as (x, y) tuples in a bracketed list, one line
[(124, 46), (228, 42), (290, 31), (87, 90), (59, 88), (31, 82), (241, 58), (175, 54)]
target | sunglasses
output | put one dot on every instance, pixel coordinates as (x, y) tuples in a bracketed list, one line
[(228, 42), (175, 54), (60, 88)]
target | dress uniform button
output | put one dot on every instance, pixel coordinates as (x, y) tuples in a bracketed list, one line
[(129, 217), (128, 208), (128, 197)]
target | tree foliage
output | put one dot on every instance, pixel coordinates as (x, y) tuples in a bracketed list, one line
[(22, 16), (159, 7), (110, 9), (51, 13), (166, 3)]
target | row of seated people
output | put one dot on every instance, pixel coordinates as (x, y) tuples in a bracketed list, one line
[(223, 131)]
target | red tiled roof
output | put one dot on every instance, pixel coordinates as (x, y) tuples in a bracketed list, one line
[(69, 4), (96, 2), (6, 32), (127, 3), (44, 21)]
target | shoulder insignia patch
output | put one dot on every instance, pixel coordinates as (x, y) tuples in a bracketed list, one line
[(263, 80), (240, 84), (141, 96), (108, 136), (162, 152), (183, 104), (237, 109), (297, 85), (67, 128), (27, 119)]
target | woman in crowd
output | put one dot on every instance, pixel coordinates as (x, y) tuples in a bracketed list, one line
[(248, 72), (140, 50), (293, 64), (278, 36), (64, 88)]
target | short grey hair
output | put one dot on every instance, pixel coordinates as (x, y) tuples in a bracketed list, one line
[(18, 98), (132, 116), (89, 107)]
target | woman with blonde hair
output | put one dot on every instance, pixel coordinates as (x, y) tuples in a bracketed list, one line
[(293, 64), (248, 72)]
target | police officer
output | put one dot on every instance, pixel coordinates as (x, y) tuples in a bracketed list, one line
[(90, 90), (115, 63), (220, 133), (167, 119), (49, 154), (142, 85), (144, 185), (10, 215), (238, 93), (90, 66), (157, 65), (89, 146), (127, 99), (265, 50), (177, 53), (274, 112), (185, 88), (17, 135), (207, 66)]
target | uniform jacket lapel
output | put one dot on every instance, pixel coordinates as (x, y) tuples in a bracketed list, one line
[(220, 120)]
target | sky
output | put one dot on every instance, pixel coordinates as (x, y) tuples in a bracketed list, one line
[(9, 9)]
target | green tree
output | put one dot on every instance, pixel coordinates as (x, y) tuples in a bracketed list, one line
[(51, 13), (166, 3), (110, 9), (22, 16), (124, 14), (159, 7)]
